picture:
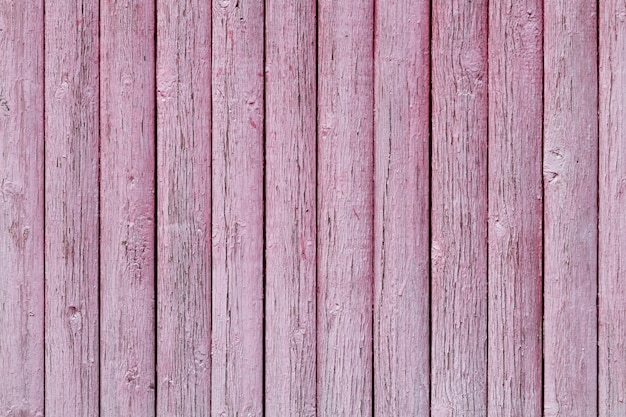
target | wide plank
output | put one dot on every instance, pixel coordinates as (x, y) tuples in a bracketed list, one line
[(402, 209), (184, 207), (570, 156), (72, 207), (515, 208), (290, 219), (459, 208), (127, 282), (345, 199), (612, 200), (237, 208), (21, 208)]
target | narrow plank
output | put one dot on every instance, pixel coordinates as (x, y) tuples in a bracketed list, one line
[(184, 207), (515, 208), (71, 257), (237, 208), (570, 208), (459, 208), (21, 209), (290, 183), (402, 211), (128, 206), (345, 198), (612, 230)]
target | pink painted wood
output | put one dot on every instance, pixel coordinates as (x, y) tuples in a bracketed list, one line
[(402, 211), (459, 208), (290, 184), (570, 208), (345, 208), (515, 208), (21, 209), (72, 208), (237, 209), (127, 266), (184, 207), (612, 250)]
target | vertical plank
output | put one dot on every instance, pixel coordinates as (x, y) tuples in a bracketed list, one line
[(515, 208), (72, 141), (290, 183), (21, 209), (345, 198), (402, 212), (128, 208), (612, 238), (459, 208), (237, 208), (184, 207), (570, 208)]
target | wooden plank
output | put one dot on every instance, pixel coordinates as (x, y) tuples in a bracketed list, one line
[(570, 208), (290, 183), (21, 209), (72, 209), (237, 208), (402, 210), (612, 230), (345, 199), (184, 207), (128, 207), (515, 208), (459, 208)]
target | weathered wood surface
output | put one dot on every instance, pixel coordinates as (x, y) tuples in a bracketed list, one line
[(459, 208), (290, 208), (21, 209), (515, 208), (345, 198), (184, 208), (612, 222), (237, 208), (402, 210), (72, 207), (570, 208), (127, 291)]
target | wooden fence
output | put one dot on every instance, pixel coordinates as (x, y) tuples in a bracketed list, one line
[(300, 208)]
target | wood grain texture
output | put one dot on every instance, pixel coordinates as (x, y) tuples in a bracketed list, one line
[(459, 208), (515, 208), (128, 206), (612, 230), (184, 207), (21, 209), (570, 208), (72, 210), (345, 198), (402, 210), (290, 228), (237, 209)]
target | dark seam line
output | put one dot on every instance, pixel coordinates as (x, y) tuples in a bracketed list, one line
[(598, 183), (45, 304), (155, 309), (543, 205), (373, 225), (488, 11), (264, 195)]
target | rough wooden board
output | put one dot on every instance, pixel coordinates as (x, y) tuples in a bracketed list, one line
[(128, 206), (21, 209), (612, 231), (459, 208), (570, 208), (515, 208), (72, 209), (345, 208), (184, 207), (402, 209), (237, 209), (290, 228)]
